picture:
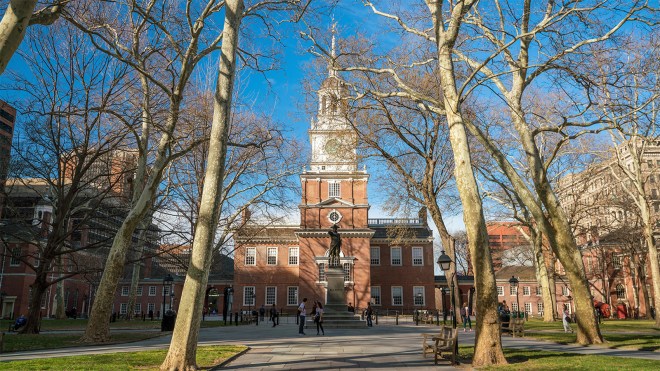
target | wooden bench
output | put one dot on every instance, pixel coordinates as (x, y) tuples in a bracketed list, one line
[(439, 343), (515, 326)]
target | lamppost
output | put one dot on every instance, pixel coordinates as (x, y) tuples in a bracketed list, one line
[(166, 281), (444, 261), (444, 307), (514, 283)]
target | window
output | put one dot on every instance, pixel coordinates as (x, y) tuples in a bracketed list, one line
[(395, 253), (248, 295), (514, 306), (271, 295), (166, 290), (620, 291), (348, 277), (321, 272), (500, 290), (152, 290), (137, 309), (125, 290), (272, 256), (528, 308), (123, 308), (37, 260), (375, 255), (292, 295), (417, 256), (397, 295), (418, 295), (375, 295), (151, 307), (251, 256), (538, 290), (564, 290), (539, 308), (139, 291), (526, 291), (293, 256), (616, 261), (513, 290), (334, 189), (15, 257)]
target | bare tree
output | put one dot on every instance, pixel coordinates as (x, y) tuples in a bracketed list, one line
[(18, 16), (70, 155)]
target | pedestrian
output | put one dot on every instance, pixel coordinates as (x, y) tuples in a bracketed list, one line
[(565, 319), (318, 318), (262, 313), (273, 315), (302, 315), (465, 314), (368, 313), (151, 314)]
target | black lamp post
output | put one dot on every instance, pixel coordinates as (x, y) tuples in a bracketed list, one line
[(166, 281), (444, 307), (514, 283), (444, 261)]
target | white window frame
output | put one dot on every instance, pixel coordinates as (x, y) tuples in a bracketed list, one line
[(417, 290), (500, 290), (123, 308), (15, 260), (294, 253), (539, 307), (166, 290), (527, 291), (392, 258), (375, 295), (348, 272), (151, 307), (321, 276), (251, 256), (374, 252), (417, 261), (513, 290), (514, 306), (125, 290), (249, 293), (271, 256), (152, 290), (334, 189), (397, 296), (528, 308), (139, 291), (271, 295), (538, 290), (137, 309), (292, 295)]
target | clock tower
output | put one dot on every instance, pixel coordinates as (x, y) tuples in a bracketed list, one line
[(334, 191)]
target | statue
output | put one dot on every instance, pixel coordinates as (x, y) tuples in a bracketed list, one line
[(335, 246)]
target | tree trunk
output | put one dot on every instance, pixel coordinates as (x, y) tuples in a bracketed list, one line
[(39, 287), (542, 275), (60, 311), (645, 289), (135, 274), (183, 347), (12, 28), (655, 269), (98, 326), (448, 242)]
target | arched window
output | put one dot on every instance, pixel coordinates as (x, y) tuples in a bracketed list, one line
[(620, 291)]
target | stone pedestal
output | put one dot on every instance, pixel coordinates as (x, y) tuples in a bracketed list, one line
[(335, 278), (335, 311)]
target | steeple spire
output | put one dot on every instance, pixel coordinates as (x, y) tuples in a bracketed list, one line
[(333, 54)]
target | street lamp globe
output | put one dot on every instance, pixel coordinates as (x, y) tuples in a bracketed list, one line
[(513, 281), (444, 261)]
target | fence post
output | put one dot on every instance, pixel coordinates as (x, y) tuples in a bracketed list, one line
[(397, 317)]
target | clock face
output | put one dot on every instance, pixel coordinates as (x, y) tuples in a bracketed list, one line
[(332, 146)]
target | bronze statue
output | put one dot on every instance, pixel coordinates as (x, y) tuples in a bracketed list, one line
[(335, 246)]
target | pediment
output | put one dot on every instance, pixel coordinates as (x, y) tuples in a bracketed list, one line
[(331, 202)]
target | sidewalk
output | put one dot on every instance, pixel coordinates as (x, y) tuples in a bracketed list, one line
[(379, 347)]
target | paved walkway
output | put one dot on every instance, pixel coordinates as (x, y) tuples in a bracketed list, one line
[(380, 347)]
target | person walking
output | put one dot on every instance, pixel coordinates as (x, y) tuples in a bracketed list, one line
[(302, 315), (262, 313), (318, 318), (465, 314), (565, 319), (273, 315), (368, 313)]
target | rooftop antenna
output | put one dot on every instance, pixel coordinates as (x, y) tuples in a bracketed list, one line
[(333, 54)]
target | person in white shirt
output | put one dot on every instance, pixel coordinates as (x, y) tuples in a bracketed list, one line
[(567, 327), (302, 314)]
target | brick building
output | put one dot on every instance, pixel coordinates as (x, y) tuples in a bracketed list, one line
[(7, 121), (387, 261)]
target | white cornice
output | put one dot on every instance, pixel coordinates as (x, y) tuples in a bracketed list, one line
[(347, 233)]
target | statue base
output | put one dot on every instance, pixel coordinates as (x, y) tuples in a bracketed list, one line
[(335, 311)]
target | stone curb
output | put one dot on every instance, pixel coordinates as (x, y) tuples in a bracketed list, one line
[(230, 359)]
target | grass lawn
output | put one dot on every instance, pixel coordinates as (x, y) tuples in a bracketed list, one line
[(80, 324), (14, 342), (536, 360), (207, 357), (612, 325)]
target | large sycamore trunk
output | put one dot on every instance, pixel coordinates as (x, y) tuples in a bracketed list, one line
[(39, 286), (655, 270), (542, 275), (183, 347), (12, 28)]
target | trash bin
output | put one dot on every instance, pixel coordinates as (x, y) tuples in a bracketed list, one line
[(169, 318)]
